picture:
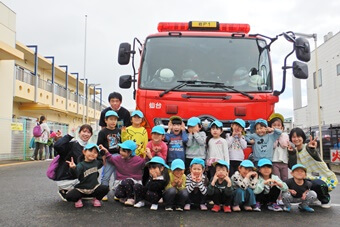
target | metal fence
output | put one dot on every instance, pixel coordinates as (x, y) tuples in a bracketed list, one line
[(24, 76)]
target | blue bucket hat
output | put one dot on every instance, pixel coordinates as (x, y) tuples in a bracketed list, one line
[(261, 121), (89, 146), (221, 162), (247, 164), (217, 123), (193, 121), (177, 164), (264, 162), (240, 122), (158, 160), (197, 161), (111, 113), (129, 145), (296, 166), (138, 113), (158, 129)]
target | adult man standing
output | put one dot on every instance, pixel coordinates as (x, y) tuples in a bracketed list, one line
[(115, 100)]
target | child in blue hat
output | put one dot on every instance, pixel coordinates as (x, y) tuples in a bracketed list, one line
[(217, 147), (244, 182), (268, 187), (176, 194), (196, 141), (136, 132), (263, 140), (156, 182), (156, 146), (196, 184), (237, 143), (220, 187), (87, 173), (129, 173)]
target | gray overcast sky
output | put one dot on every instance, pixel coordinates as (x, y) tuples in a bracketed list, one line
[(58, 28)]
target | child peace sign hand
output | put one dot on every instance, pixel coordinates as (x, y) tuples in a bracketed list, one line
[(312, 142), (71, 163)]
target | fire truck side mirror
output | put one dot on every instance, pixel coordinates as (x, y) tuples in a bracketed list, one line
[(124, 53), (300, 70), (125, 81), (302, 49)]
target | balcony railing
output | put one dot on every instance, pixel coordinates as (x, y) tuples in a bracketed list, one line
[(28, 77)]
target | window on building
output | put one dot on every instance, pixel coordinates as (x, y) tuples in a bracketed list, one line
[(338, 69), (320, 78)]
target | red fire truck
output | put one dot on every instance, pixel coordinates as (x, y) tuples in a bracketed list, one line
[(210, 70)]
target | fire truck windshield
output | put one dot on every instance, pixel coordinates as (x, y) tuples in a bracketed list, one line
[(241, 63)]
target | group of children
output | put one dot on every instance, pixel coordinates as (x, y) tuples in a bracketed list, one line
[(187, 167)]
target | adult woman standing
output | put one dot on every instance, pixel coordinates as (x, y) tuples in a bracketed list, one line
[(323, 179), (41, 141), (67, 147)]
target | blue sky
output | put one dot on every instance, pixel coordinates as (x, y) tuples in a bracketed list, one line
[(58, 28)]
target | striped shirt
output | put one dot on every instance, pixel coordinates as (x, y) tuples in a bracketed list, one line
[(191, 185)]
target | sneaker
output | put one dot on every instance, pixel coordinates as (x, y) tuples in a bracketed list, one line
[(115, 198), (96, 203), (203, 207), (236, 208), (122, 200), (287, 209), (216, 208), (326, 205), (179, 208), (130, 202), (168, 209), (248, 208), (280, 202), (105, 198), (187, 207), (62, 194), (211, 202), (32, 159), (257, 207), (78, 204), (160, 200), (154, 207), (139, 204), (306, 208), (274, 207), (226, 209)]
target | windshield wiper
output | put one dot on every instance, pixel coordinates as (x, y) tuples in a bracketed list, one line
[(182, 84), (228, 88)]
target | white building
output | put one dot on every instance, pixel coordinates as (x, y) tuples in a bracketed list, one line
[(328, 56)]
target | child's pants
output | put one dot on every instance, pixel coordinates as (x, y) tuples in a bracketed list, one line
[(234, 167), (245, 197), (280, 169), (128, 189), (108, 170), (287, 198), (220, 198), (321, 189), (270, 197), (173, 196), (74, 195), (196, 197)]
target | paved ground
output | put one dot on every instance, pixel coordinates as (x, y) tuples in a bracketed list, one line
[(28, 198)]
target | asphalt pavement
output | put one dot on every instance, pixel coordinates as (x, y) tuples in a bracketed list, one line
[(29, 198)]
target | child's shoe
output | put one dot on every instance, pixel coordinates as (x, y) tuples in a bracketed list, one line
[(274, 207), (160, 200), (168, 209), (216, 208), (115, 198), (226, 209), (154, 207), (326, 205), (122, 200), (236, 208), (306, 208), (287, 209), (257, 207), (248, 208), (79, 204), (105, 198), (203, 207), (139, 204), (62, 194), (130, 202), (179, 208), (187, 207), (96, 203)]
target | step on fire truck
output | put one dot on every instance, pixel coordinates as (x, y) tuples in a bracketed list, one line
[(210, 70)]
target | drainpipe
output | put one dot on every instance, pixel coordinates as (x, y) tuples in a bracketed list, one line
[(77, 90), (53, 77), (66, 83), (35, 47)]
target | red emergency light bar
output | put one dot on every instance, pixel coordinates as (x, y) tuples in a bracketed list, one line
[(203, 26)]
